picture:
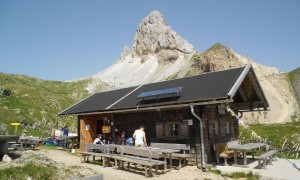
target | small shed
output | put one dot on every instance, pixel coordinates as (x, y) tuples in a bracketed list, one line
[(199, 110)]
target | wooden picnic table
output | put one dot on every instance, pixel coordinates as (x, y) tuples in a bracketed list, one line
[(69, 141), (164, 152), (29, 140), (4, 142), (245, 148)]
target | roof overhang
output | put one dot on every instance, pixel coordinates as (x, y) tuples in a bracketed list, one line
[(157, 108), (238, 86), (261, 103)]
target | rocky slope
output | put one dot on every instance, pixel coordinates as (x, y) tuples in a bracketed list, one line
[(158, 54)]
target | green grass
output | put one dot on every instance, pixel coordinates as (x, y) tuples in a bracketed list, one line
[(30, 170), (294, 77), (237, 175), (174, 76), (192, 72), (38, 102), (216, 47), (275, 134)]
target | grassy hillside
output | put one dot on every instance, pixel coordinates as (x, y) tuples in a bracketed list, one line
[(295, 81), (37, 102), (278, 136)]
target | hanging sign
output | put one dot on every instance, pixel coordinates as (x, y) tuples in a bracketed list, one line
[(106, 129)]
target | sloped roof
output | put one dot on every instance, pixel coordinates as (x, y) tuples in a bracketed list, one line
[(213, 86)]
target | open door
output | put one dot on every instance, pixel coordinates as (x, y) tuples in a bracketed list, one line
[(87, 132)]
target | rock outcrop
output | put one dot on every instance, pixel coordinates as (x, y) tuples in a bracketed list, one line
[(5, 92), (154, 35)]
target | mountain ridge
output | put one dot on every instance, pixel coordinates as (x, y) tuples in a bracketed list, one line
[(38, 102), (155, 57)]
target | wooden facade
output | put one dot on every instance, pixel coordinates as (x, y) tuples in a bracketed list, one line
[(169, 126), (167, 114)]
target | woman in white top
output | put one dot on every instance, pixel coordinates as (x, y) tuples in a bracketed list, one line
[(98, 140), (140, 137)]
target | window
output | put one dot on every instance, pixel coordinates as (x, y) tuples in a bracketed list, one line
[(173, 129), (215, 128), (227, 127)]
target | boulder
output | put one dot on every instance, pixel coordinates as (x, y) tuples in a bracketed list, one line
[(5, 92), (6, 158)]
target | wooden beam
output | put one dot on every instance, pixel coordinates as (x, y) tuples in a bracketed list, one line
[(248, 105), (242, 93)]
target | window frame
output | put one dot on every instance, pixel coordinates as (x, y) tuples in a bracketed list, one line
[(215, 128), (170, 131), (227, 127)]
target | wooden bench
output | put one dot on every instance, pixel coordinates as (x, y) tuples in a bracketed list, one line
[(29, 141), (103, 151), (223, 151), (185, 148), (141, 156), (266, 158)]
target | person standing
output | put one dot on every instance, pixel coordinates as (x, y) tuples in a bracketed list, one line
[(140, 137), (65, 131)]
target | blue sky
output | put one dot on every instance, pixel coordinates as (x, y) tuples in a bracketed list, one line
[(64, 40)]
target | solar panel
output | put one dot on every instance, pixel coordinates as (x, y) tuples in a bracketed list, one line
[(174, 90)]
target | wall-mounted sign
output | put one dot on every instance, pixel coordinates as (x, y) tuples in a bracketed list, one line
[(189, 121), (221, 109), (87, 127), (106, 129)]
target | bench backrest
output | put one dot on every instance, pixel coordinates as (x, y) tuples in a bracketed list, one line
[(142, 152), (183, 147), (171, 146), (105, 148)]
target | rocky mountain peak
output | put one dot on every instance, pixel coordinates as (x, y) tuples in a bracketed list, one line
[(154, 35), (126, 51)]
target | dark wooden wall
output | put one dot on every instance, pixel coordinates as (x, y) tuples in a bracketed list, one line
[(129, 122)]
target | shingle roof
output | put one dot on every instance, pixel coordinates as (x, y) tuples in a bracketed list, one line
[(205, 87)]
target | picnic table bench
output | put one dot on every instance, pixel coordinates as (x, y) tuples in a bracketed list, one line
[(5, 143), (244, 148), (29, 141), (267, 158), (104, 151), (141, 156), (180, 156)]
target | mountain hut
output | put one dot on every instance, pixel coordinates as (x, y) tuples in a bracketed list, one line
[(173, 111)]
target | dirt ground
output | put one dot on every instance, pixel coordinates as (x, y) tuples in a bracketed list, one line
[(68, 162)]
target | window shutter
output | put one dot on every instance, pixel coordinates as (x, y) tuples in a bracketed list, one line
[(222, 126), (184, 129), (232, 127), (159, 130), (210, 129)]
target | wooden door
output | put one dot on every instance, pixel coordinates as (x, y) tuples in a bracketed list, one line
[(87, 132)]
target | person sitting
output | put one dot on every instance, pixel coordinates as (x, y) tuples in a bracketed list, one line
[(129, 141), (98, 140), (123, 138)]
